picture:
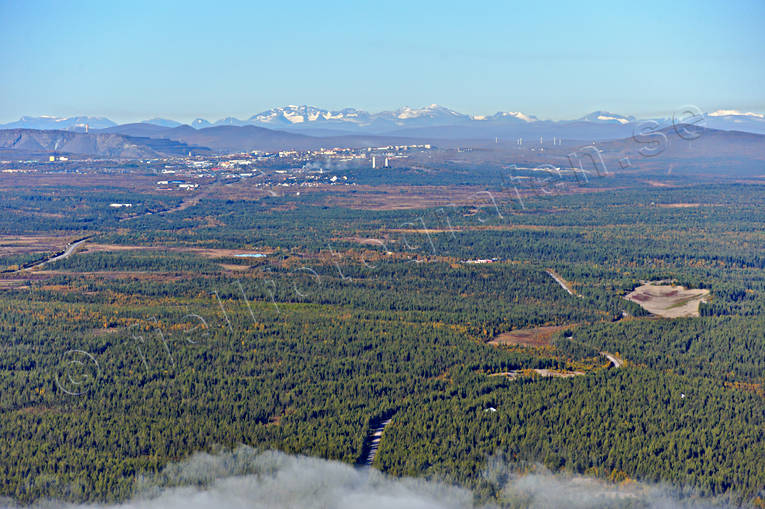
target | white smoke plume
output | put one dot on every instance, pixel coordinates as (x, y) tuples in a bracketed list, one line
[(245, 478)]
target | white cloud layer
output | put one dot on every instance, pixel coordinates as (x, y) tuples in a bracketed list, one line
[(246, 479)]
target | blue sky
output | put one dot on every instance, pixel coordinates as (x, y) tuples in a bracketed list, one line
[(134, 60)]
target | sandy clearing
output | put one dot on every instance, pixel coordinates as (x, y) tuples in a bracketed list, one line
[(363, 241), (667, 300), (235, 268)]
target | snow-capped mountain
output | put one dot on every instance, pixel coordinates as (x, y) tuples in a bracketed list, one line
[(506, 116), (736, 113), (47, 122), (429, 120), (295, 116), (607, 117), (733, 120), (428, 114), (301, 115), (200, 123)]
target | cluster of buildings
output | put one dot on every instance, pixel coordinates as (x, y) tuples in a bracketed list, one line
[(266, 169), (285, 168), (167, 185)]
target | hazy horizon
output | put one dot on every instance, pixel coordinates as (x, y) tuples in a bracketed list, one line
[(554, 61), (189, 119)]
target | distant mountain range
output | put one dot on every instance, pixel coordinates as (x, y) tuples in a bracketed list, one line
[(306, 127), (147, 141), (709, 151), (34, 142), (430, 121), (59, 123)]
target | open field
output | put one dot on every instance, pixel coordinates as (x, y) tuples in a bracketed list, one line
[(668, 301), (26, 244), (544, 373), (390, 197), (537, 336), (201, 251)]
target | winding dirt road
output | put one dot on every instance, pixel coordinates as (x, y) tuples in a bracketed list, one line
[(563, 283), (618, 363), (374, 442)]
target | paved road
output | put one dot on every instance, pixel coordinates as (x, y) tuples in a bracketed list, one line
[(61, 256)]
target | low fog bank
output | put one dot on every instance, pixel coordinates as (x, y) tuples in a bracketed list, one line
[(245, 478), (540, 489)]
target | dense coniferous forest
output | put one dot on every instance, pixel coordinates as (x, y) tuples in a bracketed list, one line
[(155, 340)]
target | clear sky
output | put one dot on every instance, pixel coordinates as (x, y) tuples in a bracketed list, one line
[(138, 59)]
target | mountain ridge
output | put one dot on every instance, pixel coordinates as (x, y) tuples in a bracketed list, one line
[(110, 145), (297, 118), (146, 141)]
